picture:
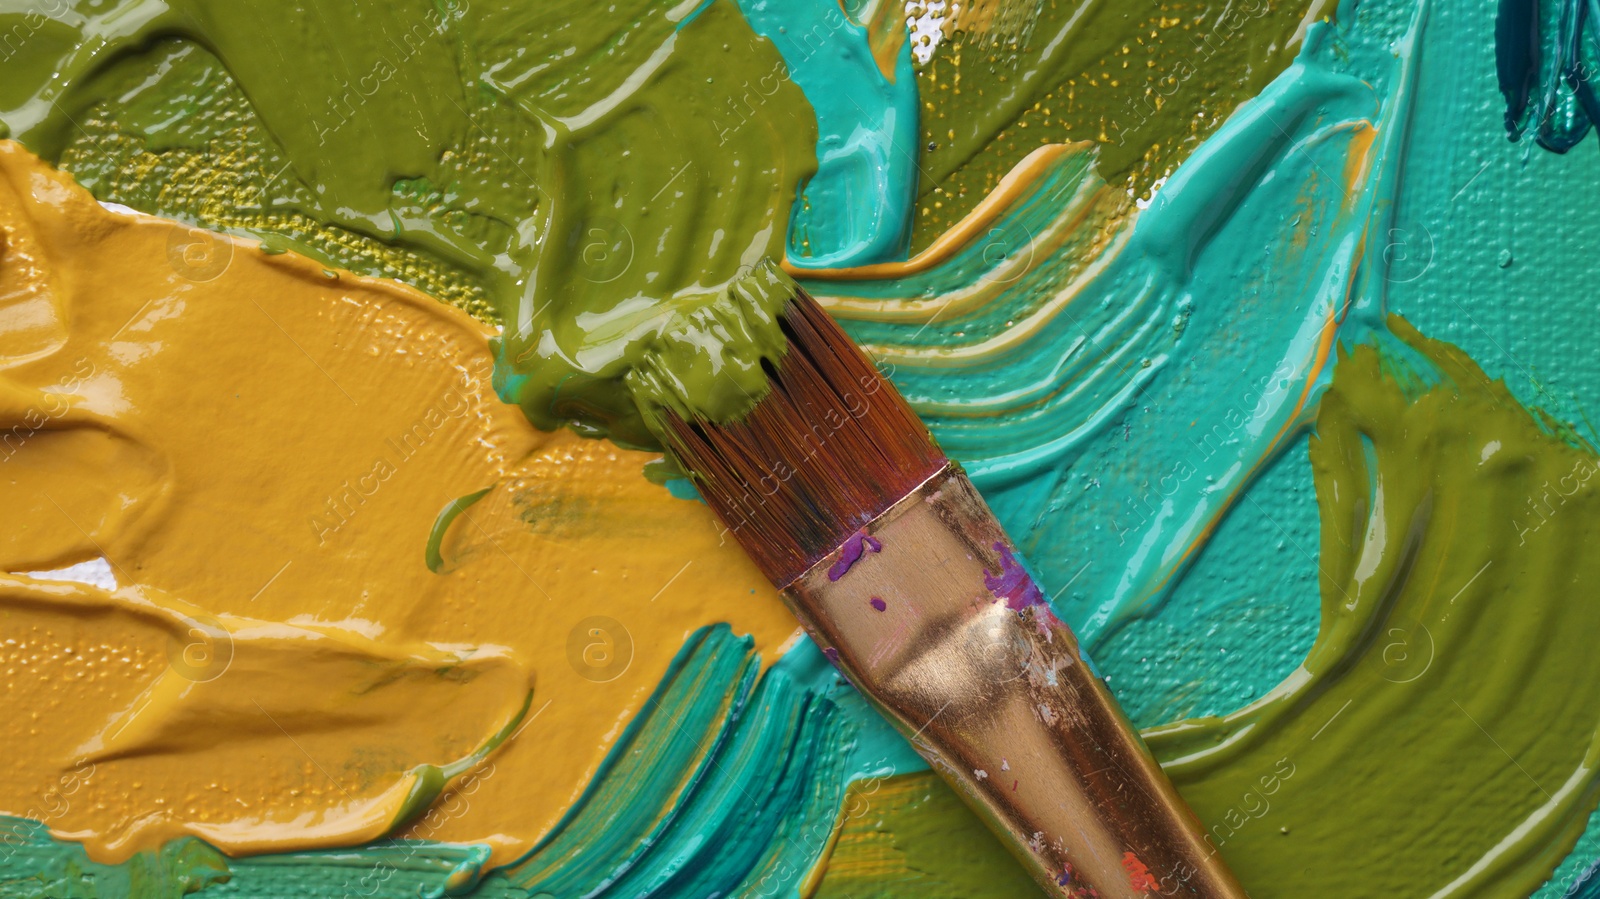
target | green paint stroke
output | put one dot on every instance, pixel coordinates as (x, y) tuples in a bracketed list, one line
[(572, 164), (910, 835), (1451, 702), (452, 151), (1147, 80), (433, 553), (431, 780), (1442, 735)]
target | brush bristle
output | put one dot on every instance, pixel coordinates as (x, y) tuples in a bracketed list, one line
[(832, 446)]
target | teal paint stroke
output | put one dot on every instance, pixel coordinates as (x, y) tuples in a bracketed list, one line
[(728, 783), (857, 208), (35, 866), (690, 801), (1113, 419), (1102, 443), (1498, 237)]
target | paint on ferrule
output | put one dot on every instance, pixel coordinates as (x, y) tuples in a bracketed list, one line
[(1012, 584), (1139, 876), (854, 548)]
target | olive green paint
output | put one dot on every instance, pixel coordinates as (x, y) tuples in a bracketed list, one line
[(1458, 564), (598, 175), (1147, 80), (910, 835)]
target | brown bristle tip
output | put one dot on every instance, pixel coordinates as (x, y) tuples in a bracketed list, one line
[(829, 448)]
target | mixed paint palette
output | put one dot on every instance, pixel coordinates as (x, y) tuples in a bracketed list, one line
[(339, 557)]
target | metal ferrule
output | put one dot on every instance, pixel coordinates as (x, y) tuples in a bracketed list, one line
[(937, 625)]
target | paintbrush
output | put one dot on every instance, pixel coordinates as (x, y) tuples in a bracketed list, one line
[(901, 574)]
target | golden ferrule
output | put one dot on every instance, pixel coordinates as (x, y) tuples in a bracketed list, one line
[(930, 615)]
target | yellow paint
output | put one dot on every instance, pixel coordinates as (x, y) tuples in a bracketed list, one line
[(259, 448)]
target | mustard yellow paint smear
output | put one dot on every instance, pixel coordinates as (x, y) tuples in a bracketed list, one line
[(259, 449)]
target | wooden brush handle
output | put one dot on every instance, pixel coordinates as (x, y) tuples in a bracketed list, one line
[(928, 612)]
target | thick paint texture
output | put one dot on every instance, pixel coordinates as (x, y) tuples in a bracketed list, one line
[(258, 448), (1298, 197), (911, 835), (1452, 636), (546, 157), (1147, 81), (856, 209), (1449, 640), (1134, 385), (1046, 341)]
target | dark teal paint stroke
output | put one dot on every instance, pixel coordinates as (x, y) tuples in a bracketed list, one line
[(1516, 40), (1586, 885), (1546, 57), (1026, 513), (389, 869)]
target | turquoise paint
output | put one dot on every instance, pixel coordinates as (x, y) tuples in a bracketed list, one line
[(389, 869), (38, 867), (1241, 618), (1115, 434), (857, 208), (1154, 412), (682, 488), (1078, 435), (1516, 295), (877, 749), (727, 784), (1191, 636)]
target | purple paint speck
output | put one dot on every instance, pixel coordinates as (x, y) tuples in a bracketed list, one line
[(857, 546), (1012, 584), (831, 654), (879, 604)]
